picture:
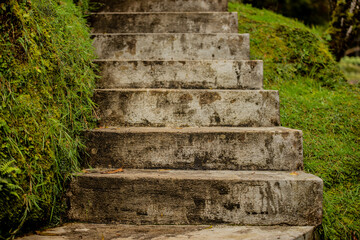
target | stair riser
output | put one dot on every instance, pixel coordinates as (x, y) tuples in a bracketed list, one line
[(165, 23), (136, 200), (161, 5), (219, 149), (172, 46), (181, 74), (188, 108)]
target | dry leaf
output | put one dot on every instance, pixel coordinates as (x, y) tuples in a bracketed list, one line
[(113, 171), (85, 171), (294, 173)]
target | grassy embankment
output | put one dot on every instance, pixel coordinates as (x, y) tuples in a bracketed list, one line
[(316, 99), (46, 84)]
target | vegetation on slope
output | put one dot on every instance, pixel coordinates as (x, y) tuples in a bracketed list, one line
[(316, 99), (46, 83)]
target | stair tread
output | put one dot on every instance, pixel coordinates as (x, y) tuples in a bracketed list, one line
[(159, 34), (172, 46), (187, 107), (164, 196), (173, 232), (162, 13), (168, 60), (161, 5), (206, 148), (119, 22), (179, 90), (193, 129), (214, 175)]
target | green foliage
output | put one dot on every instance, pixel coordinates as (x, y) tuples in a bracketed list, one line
[(8, 183), (46, 84), (344, 27), (351, 68), (288, 47), (315, 99), (310, 12)]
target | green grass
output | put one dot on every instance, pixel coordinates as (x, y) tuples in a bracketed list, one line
[(315, 98), (46, 84)]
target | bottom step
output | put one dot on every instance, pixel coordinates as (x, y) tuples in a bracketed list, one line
[(197, 197), (77, 231)]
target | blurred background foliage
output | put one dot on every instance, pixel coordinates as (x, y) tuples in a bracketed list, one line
[(339, 20), (307, 11)]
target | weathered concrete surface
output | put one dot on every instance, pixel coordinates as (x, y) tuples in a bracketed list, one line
[(197, 197), (196, 148), (172, 46), (187, 108), (161, 5), (215, 22), (214, 74), (88, 231)]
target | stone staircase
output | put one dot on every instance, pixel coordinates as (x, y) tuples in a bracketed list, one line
[(184, 114)]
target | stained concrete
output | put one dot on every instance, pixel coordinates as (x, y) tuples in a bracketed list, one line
[(215, 74), (187, 108), (208, 61), (197, 197), (196, 148), (172, 46), (161, 5), (75, 231), (214, 22)]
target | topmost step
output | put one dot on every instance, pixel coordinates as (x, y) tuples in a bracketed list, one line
[(161, 5)]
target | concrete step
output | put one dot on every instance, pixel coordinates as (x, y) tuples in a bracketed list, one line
[(197, 197), (88, 231), (160, 5), (200, 22), (172, 46), (214, 148), (187, 108), (181, 74)]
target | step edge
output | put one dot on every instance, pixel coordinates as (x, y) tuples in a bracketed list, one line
[(195, 130), (203, 175), (159, 13), (179, 90), (197, 34)]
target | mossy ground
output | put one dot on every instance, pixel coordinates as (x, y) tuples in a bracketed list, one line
[(46, 84), (315, 98)]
